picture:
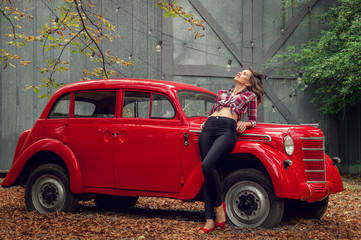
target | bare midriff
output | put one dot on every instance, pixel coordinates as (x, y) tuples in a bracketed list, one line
[(225, 112)]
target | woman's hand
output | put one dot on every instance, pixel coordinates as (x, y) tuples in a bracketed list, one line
[(201, 127), (241, 127)]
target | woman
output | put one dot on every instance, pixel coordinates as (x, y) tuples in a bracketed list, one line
[(218, 138)]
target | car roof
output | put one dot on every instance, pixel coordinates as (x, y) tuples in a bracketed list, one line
[(148, 84)]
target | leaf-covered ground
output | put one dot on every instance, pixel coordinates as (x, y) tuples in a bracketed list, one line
[(155, 218)]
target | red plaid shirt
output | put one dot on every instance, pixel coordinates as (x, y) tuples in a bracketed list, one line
[(242, 102)]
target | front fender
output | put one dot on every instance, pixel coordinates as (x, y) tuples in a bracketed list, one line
[(334, 181), (55, 146), (283, 180)]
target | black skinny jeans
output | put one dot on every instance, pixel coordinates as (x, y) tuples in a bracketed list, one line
[(216, 142)]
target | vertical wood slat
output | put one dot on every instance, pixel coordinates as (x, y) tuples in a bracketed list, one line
[(167, 62), (217, 29)]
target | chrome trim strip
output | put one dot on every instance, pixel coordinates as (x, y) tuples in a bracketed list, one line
[(313, 149), (315, 182), (195, 131), (312, 138), (269, 139), (314, 171), (314, 160)]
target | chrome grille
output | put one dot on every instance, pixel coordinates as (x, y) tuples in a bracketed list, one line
[(314, 162)]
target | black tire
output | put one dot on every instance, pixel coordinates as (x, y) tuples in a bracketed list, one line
[(109, 202), (250, 200), (48, 190), (302, 209)]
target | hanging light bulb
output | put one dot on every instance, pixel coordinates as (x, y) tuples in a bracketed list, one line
[(299, 78), (185, 45), (150, 32), (273, 109), (130, 57), (92, 56), (282, 30), (117, 10), (158, 48), (219, 49), (229, 67)]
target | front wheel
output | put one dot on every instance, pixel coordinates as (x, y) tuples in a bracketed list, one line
[(48, 190), (250, 200)]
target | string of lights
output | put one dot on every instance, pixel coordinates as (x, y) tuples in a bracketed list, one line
[(176, 41)]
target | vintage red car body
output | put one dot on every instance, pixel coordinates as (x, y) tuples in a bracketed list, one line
[(136, 156)]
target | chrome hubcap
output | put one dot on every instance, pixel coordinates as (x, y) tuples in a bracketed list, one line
[(48, 193)]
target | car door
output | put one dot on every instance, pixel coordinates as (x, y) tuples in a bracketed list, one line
[(147, 148), (90, 135)]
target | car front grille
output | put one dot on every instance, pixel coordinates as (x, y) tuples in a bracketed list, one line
[(314, 162)]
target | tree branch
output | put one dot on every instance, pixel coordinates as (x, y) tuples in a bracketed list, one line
[(12, 25), (86, 30)]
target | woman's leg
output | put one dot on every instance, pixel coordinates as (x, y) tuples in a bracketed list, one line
[(220, 148)]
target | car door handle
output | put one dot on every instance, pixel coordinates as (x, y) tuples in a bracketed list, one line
[(186, 136), (115, 135)]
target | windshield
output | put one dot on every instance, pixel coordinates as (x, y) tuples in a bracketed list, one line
[(195, 104)]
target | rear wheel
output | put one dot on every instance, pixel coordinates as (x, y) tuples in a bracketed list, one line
[(250, 200), (109, 202), (48, 190)]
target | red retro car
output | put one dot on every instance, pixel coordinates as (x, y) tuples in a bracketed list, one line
[(115, 140)]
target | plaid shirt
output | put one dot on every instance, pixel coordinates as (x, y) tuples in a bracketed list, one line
[(242, 102)]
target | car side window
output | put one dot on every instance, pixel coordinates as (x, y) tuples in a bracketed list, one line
[(137, 105), (96, 104), (162, 107), (60, 108)]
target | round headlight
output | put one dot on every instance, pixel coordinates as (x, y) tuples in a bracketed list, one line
[(289, 145)]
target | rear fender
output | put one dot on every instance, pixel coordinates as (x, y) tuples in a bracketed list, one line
[(57, 147), (21, 142)]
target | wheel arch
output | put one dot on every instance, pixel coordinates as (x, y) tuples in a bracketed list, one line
[(267, 160), (43, 152)]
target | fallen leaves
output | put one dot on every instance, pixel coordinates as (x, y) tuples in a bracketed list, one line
[(162, 218)]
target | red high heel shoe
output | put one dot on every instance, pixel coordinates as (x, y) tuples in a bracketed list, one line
[(205, 230), (222, 224)]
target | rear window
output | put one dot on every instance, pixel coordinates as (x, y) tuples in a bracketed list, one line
[(61, 107), (97, 104)]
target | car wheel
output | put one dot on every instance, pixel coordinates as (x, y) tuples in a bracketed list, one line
[(302, 209), (250, 200), (48, 190), (109, 202)]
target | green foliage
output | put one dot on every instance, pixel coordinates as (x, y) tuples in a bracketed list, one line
[(331, 62), (174, 10), (74, 28)]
